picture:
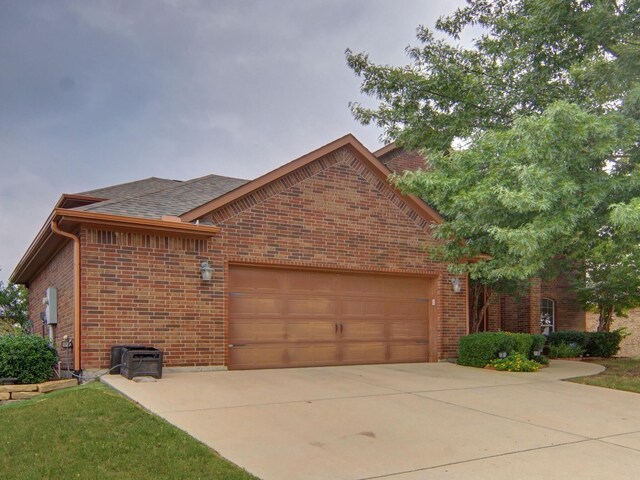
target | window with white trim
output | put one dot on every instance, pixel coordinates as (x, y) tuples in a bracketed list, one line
[(547, 316)]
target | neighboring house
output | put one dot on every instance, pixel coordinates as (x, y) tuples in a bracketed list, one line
[(319, 262)]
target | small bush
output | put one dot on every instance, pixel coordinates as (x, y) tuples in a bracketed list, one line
[(568, 337), (594, 344), (29, 358), (516, 362), (605, 344), (522, 343), (565, 350), (542, 360), (538, 343), (478, 349)]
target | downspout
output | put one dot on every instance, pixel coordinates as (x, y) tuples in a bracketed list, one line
[(76, 292)]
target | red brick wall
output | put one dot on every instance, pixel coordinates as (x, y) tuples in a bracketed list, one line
[(336, 214), (146, 289), (400, 160), (522, 314), (57, 273), (569, 314)]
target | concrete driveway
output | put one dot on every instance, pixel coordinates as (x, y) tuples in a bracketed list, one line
[(404, 421)]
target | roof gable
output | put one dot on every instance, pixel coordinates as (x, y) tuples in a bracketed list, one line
[(275, 180)]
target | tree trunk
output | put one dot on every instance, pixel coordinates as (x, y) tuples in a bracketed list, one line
[(605, 317), (481, 300)]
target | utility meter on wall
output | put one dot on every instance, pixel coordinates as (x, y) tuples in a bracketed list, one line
[(51, 303)]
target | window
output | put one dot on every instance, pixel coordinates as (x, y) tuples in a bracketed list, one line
[(547, 316)]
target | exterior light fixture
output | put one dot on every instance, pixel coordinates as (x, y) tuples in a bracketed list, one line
[(456, 284), (502, 354), (206, 271)]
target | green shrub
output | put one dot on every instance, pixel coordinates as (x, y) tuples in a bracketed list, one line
[(594, 344), (29, 358), (522, 343), (565, 350), (478, 349), (542, 360), (568, 337), (516, 362), (538, 343), (605, 344)]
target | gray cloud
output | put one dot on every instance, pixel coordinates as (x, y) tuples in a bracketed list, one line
[(94, 93)]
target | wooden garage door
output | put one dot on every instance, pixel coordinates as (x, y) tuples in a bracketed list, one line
[(295, 318)]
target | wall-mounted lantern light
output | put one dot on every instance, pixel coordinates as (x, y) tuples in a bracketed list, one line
[(206, 271), (456, 284)]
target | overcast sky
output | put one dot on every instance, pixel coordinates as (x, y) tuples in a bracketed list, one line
[(94, 93)]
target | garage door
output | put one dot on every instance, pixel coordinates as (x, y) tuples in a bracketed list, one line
[(295, 318)]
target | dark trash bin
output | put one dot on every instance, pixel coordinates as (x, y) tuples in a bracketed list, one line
[(141, 362), (116, 356)]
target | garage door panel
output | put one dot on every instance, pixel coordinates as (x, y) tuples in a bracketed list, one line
[(363, 330), (265, 331), (264, 356), (312, 354), (318, 330), (408, 308), (407, 330), (257, 280), (408, 352), (358, 307), (363, 352), (255, 305), (293, 318), (301, 281), (308, 306)]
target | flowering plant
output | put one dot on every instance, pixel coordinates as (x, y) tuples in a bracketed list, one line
[(515, 362)]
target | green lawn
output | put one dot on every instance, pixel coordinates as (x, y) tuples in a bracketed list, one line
[(92, 432), (621, 374)]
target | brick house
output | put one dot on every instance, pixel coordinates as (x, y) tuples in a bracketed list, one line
[(319, 262)]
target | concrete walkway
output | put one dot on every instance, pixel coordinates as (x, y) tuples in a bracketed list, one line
[(404, 421)]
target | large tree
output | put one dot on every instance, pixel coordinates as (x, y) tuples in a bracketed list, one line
[(14, 306), (531, 136)]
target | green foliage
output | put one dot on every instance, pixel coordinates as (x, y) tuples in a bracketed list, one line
[(565, 350), (29, 358), (605, 344), (479, 349), (531, 138), (516, 362), (538, 343), (14, 307), (592, 344), (568, 337)]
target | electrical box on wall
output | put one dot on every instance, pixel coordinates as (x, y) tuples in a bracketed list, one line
[(51, 303)]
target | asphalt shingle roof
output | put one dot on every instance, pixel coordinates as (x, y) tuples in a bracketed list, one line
[(175, 199), (129, 189)]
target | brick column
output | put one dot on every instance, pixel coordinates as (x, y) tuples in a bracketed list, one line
[(534, 305)]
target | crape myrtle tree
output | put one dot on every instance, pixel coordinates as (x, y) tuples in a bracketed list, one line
[(532, 140)]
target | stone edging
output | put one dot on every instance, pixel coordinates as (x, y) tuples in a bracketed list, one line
[(25, 392)]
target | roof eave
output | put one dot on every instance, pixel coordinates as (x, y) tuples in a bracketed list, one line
[(46, 243)]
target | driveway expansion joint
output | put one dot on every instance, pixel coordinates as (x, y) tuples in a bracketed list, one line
[(471, 460)]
